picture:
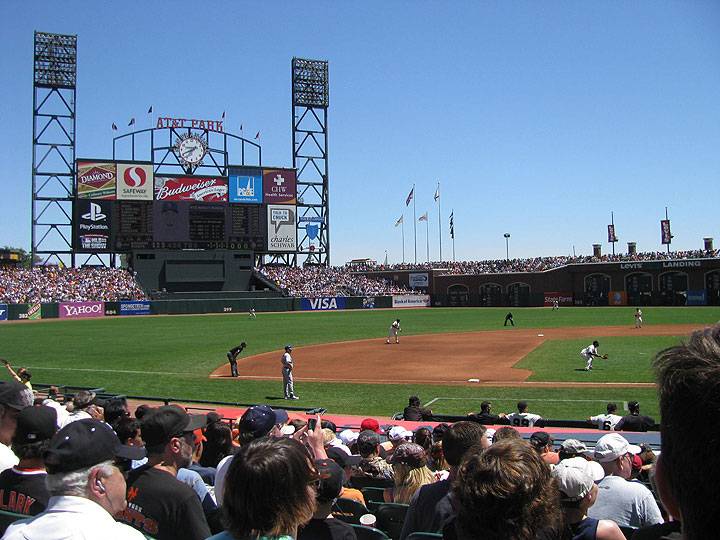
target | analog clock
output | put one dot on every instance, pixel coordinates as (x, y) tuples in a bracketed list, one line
[(191, 149)]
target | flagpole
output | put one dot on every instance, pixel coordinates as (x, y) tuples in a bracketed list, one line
[(452, 213), (402, 224), (427, 238), (439, 221), (414, 222)]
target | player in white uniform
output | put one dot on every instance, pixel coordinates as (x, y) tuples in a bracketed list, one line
[(606, 422), (590, 352), (287, 369), (251, 313), (393, 332), (522, 418), (638, 318), (556, 305)]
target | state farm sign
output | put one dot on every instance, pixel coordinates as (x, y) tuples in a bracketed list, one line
[(191, 188), (134, 182), (95, 180), (81, 310)]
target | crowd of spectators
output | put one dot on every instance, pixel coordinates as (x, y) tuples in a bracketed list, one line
[(314, 281), (56, 284), (86, 468)]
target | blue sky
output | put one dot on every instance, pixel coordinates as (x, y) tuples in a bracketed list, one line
[(537, 118)]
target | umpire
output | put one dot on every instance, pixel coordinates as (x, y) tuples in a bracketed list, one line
[(232, 358)]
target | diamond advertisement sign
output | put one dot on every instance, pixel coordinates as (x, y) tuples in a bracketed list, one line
[(95, 180)]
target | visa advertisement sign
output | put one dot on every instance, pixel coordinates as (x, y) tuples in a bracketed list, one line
[(134, 307), (322, 304), (245, 186)]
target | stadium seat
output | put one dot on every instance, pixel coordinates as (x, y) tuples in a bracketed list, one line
[(373, 494), (349, 510), (424, 536), (368, 533), (390, 518)]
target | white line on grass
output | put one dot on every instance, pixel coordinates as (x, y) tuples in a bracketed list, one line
[(111, 370)]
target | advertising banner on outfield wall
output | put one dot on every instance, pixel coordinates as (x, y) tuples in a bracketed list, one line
[(282, 229), (134, 307), (34, 312), (411, 300), (419, 281), (191, 188), (322, 304), (135, 182), (562, 298), (617, 298), (694, 298), (95, 180), (3, 312), (81, 310), (279, 186), (245, 185), (368, 302)]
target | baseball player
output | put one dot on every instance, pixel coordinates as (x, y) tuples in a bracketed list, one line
[(638, 318), (251, 313), (232, 358), (606, 422), (590, 352), (522, 417), (556, 305), (287, 369), (394, 330)]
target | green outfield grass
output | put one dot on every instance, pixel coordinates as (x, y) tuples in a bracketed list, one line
[(172, 356)]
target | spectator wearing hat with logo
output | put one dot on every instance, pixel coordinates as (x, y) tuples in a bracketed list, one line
[(323, 524), (14, 397), (22, 487), (629, 504), (158, 503), (86, 489), (371, 464), (410, 472), (542, 442), (634, 421), (287, 373), (578, 492), (347, 464)]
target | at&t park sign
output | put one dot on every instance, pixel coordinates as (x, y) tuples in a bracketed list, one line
[(210, 125)]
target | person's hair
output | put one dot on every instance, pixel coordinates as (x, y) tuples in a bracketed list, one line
[(611, 408), (24, 374), (437, 461), (633, 406), (30, 450), (218, 444), (74, 483), (460, 438), (485, 406), (688, 380), (297, 423), (506, 432), (522, 406), (505, 492), (414, 401), (423, 437), (408, 480), (126, 428), (115, 407), (328, 424), (269, 488), (596, 343), (328, 436), (142, 410)]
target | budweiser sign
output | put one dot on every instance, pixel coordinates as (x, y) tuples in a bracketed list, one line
[(191, 188), (78, 310), (96, 180)]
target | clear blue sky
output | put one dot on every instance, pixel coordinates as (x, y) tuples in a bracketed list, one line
[(537, 118)]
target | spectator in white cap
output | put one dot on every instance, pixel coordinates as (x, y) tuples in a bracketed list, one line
[(578, 493), (629, 504), (14, 397)]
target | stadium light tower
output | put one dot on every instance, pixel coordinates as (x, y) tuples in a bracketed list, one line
[(507, 246)]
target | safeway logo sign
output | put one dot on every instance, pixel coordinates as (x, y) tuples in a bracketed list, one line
[(95, 213), (135, 182)]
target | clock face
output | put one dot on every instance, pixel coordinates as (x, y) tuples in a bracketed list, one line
[(191, 150)]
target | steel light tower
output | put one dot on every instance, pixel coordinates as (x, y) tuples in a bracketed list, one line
[(507, 246)]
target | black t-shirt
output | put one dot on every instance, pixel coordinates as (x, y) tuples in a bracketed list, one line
[(633, 422), (163, 507), (327, 529), (416, 413), (23, 492), (488, 419)]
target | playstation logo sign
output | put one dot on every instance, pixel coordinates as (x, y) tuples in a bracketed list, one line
[(95, 213)]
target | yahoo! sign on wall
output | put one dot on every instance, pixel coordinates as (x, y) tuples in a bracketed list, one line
[(76, 310)]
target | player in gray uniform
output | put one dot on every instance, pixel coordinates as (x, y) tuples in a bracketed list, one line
[(638, 318), (590, 352), (393, 332), (287, 369)]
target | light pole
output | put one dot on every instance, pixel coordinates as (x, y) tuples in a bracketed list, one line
[(507, 246)]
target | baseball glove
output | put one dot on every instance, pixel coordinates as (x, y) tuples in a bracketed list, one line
[(604, 356)]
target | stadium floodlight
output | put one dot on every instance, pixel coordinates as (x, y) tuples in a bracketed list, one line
[(507, 246)]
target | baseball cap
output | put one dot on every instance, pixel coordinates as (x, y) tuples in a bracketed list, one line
[(591, 468), (612, 446), (260, 419), (85, 443), (15, 395), (574, 446), (371, 424), (540, 439), (35, 424), (348, 436), (410, 454), (162, 424), (288, 347), (633, 405), (398, 433), (341, 457), (331, 479), (574, 484), (367, 441)]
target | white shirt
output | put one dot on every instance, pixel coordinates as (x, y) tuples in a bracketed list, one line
[(7, 458), (525, 419), (395, 325), (287, 360), (590, 350), (75, 416), (606, 421), (71, 518), (62, 412)]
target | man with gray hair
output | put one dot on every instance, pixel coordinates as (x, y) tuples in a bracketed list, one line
[(14, 397), (86, 489)]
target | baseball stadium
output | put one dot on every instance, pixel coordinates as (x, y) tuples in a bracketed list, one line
[(184, 270)]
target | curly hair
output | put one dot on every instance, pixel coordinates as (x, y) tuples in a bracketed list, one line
[(505, 493), (269, 488)]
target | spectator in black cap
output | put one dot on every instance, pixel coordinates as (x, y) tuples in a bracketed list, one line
[(86, 488), (14, 397), (542, 442), (323, 524), (634, 421), (158, 503), (22, 488), (347, 463)]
